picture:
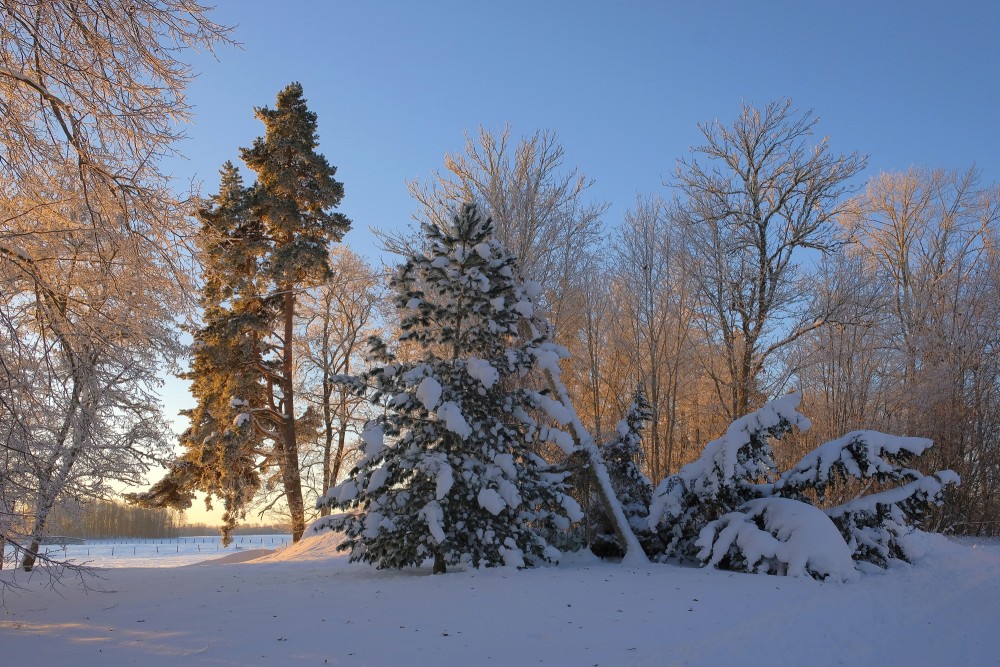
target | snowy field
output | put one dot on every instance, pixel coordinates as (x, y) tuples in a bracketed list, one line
[(306, 605), (132, 552)]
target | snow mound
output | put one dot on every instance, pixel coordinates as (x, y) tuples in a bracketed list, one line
[(778, 536), (317, 543), (241, 556)]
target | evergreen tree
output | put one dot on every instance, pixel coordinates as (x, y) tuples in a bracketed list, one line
[(292, 199), (448, 470), (731, 509), (260, 246), (622, 456), (221, 458)]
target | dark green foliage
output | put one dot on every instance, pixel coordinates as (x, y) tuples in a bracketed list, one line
[(294, 193), (448, 470)]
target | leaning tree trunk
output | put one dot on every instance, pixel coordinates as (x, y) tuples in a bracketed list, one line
[(599, 473)]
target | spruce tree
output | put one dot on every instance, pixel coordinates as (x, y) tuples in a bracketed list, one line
[(448, 470), (731, 509)]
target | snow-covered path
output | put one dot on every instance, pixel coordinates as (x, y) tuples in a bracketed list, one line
[(303, 607)]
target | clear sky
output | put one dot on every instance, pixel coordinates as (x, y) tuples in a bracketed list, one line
[(625, 85)]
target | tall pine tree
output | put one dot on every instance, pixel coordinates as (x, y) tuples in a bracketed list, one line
[(293, 198), (449, 470), (260, 246)]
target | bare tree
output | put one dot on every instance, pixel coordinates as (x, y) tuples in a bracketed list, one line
[(537, 205), (92, 335), (932, 236), (91, 93), (101, 87), (656, 300), (336, 320), (756, 195), (598, 372)]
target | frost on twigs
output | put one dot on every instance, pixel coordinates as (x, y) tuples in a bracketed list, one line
[(731, 509), (448, 471)]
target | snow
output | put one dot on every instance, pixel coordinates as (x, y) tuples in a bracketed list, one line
[(532, 289), (429, 393), (491, 501), (374, 439), (444, 480), (816, 466), (162, 552), (573, 510), (506, 463), (241, 419), (562, 440), (454, 421), (511, 496), (378, 478), (483, 250), (482, 370), (720, 462), (557, 411), (306, 605), (344, 492), (798, 539), (929, 486), (434, 516), (512, 556), (524, 308)]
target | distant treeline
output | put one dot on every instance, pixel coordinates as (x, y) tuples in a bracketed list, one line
[(102, 519), (192, 529)]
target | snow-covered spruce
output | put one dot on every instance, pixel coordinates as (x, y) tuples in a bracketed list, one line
[(728, 473), (447, 470), (730, 508), (876, 525), (623, 455)]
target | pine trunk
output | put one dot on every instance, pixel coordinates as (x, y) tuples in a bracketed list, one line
[(290, 449)]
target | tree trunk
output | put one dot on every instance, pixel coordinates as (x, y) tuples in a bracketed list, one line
[(37, 530), (599, 474), (328, 478), (439, 565), (291, 480)]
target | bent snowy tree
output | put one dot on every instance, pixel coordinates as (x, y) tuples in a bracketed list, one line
[(731, 509), (449, 470)]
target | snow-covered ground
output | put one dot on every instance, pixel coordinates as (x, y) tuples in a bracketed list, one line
[(306, 605)]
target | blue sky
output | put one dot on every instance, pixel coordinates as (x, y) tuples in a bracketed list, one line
[(625, 84)]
